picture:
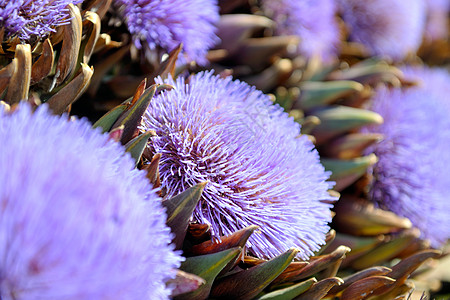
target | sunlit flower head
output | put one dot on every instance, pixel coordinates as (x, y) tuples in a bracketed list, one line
[(259, 170)]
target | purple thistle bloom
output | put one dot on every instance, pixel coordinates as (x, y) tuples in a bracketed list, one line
[(437, 19), (33, 19), (76, 221), (385, 27), (412, 177), (167, 23), (313, 21), (260, 171)]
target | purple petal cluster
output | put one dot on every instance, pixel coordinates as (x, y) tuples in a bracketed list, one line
[(76, 221), (167, 23), (387, 28), (259, 170), (313, 21), (437, 19), (33, 19), (412, 177)]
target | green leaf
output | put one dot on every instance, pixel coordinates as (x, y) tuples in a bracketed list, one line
[(137, 145), (131, 118), (106, 121), (350, 145), (320, 289), (345, 172), (207, 267), (337, 120), (320, 93), (179, 211), (249, 283), (289, 292), (386, 251)]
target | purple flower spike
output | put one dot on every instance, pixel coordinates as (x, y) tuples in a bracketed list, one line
[(412, 177), (391, 28), (76, 221), (33, 19), (312, 20), (167, 23), (260, 171)]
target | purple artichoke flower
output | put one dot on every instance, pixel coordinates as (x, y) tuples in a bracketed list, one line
[(260, 171), (76, 221), (33, 19), (167, 23), (313, 21), (412, 177), (386, 28), (437, 19)]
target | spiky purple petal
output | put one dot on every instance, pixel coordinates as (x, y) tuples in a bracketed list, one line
[(167, 23), (412, 177), (76, 221), (313, 21), (259, 170), (33, 19), (387, 28)]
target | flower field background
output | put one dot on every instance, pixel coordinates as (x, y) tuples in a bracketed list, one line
[(224, 149)]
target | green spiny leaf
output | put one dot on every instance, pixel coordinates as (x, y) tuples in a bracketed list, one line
[(249, 283), (289, 293), (345, 172), (137, 145), (337, 120), (179, 210), (207, 267), (106, 122), (320, 93)]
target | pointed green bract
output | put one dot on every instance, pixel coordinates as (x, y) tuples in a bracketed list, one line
[(386, 251), (131, 118), (179, 210), (236, 286), (107, 121), (320, 289), (207, 267), (289, 292), (345, 172), (316, 93), (351, 145), (137, 145), (337, 120)]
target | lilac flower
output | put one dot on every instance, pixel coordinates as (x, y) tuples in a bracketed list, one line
[(387, 28), (33, 19), (313, 21), (412, 177), (437, 19), (76, 221), (167, 23), (259, 170)]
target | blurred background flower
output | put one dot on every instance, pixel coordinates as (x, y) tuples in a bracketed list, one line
[(437, 19), (259, 170), (312, 21), (76, 221), (165, 24), (390, 29), (412, 178)]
